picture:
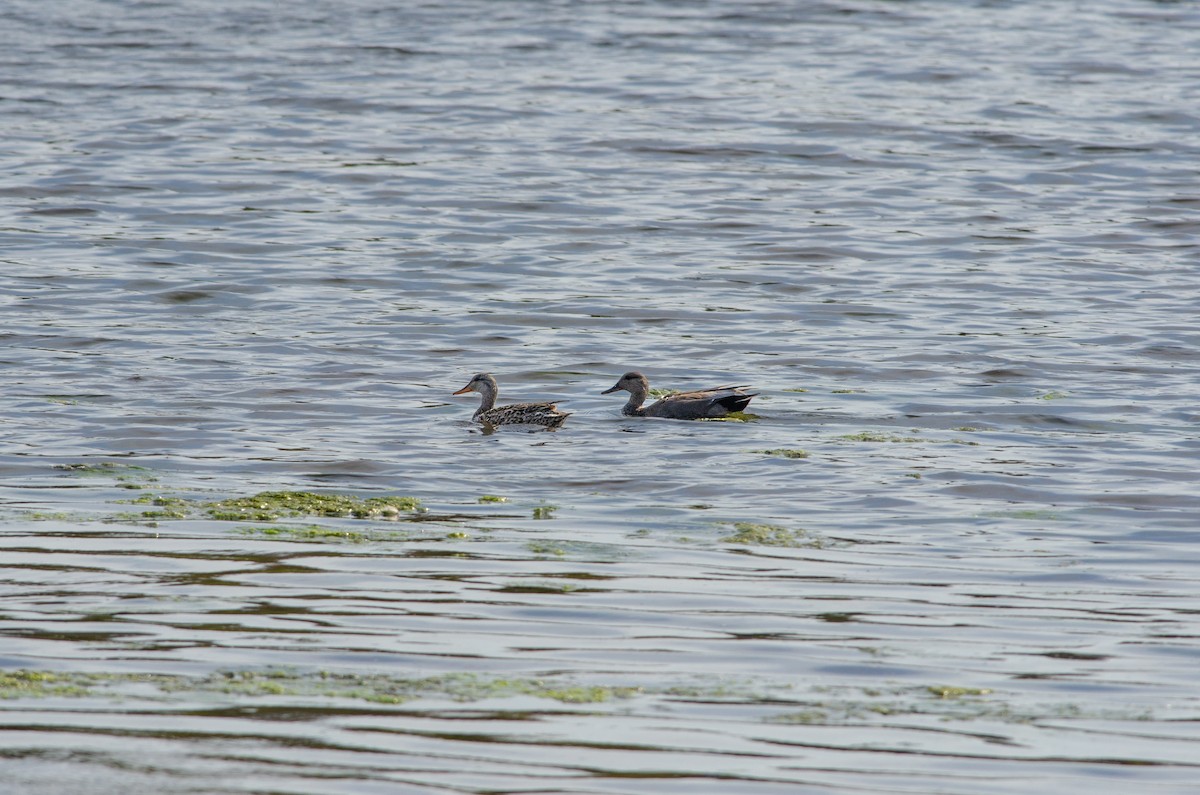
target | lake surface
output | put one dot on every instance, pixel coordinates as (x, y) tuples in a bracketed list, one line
[(253, 247)]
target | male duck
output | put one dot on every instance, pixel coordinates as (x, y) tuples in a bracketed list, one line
[(546, 414), (698, 405)]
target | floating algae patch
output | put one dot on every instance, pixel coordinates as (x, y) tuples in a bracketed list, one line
[(950, 691), (874, 436), (376, 689), (268, 506), (128, 476), (473, 687), (546, 548), (770, 535), (102, 468), (42, 684), (864, 705), (799, 703), (784, 452), (55, 516), (163, 507), (491, 498), (581, 550), (314, 532), (727, 688), (733, 416)]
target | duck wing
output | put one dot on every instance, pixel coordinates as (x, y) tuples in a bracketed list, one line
[(704, 393), (702, 404)]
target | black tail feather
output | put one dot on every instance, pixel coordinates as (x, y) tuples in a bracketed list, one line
[(735, 402)]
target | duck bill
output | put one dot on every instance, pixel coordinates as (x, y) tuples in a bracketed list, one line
[(462, 391), (613, 388)]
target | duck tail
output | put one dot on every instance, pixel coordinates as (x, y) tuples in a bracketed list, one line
[(735, 402)]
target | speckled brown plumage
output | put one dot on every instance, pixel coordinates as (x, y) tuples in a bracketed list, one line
[(545, 414)]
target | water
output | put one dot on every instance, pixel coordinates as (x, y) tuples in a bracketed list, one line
[(249, 247)]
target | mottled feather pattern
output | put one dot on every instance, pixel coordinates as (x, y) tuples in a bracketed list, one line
[(544, 414)]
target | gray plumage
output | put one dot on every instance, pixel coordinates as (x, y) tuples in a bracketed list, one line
[(546, 414), (701, 404)]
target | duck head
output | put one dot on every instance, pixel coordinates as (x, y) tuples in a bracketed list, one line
[(480, 382), (632, 382)]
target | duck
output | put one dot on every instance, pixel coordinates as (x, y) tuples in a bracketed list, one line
[(699, 405), (546, 414)]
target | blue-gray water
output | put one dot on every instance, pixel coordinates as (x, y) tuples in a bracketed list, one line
[(252, 246)]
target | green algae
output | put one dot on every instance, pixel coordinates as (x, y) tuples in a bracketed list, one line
[(856, 713), (875, 436), (725, 688), (54, 516), (160, 500), (806, 717), (784, 452), (845, 705), (544, 511), (268, 506), (394, 689), (127, 476), (162, 507), (102, 468), (585, 550), (378, 689), (40, 684), (948, 691), (733, 416), (315, 533), (491, 498), (545, 548), (473, 687), (850, 705), (769, 535), (1054, 396)]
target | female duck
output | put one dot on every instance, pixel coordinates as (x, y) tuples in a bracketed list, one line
[(546, 414), (701, 404)]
